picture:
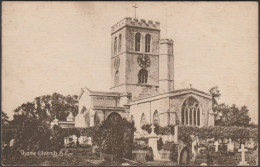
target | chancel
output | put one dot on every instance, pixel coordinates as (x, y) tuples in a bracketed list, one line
[(142, 83)]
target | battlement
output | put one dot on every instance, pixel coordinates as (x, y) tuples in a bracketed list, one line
[(134, 22), (166, 41)]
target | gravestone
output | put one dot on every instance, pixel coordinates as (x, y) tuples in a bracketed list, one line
[(89, 141), (243, 156), (194, 149), (216, 146), (230, 146)]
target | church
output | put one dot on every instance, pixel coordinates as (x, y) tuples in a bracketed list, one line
[(142, 84)]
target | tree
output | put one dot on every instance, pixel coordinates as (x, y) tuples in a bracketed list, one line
[(215, 93), (33, 121), (4, 118), (232, 116)]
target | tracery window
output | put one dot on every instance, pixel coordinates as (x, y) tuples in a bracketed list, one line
[(147, 43), (142, 76), (137, 41), (190, 112)]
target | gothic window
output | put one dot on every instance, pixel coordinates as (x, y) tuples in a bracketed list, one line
[(143, 120), (117, 78), (132, 119), (137, 41), (96, 119), (156, 119), (119, 43), (147, 43), (190, 112), (115, 46), (142, 76)]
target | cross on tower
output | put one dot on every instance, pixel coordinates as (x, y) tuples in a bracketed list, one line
[(135, 9)]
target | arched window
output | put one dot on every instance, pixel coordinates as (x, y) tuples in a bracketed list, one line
[(119, 43), (142, 76), (156, 119), (143, 120), (190, 112), (117, 78), (96, 119), (147, 43), (115, 46), (137, 41), (132, 119)]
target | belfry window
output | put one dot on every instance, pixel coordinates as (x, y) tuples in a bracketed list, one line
[(119, 43), (115, 46), (142, 76), (156, 119), (190, 112), (137, 41), (117, 78), (147, 43)]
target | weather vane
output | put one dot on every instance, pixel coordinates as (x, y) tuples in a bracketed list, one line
[(135, 9)]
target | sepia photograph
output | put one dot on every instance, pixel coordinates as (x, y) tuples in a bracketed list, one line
[(125, 83)]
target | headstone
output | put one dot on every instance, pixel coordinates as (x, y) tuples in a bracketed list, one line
[(11, 142), (203, 164), (194, 149), (216, 146), (230, 146), (89, 141), (243, 156)]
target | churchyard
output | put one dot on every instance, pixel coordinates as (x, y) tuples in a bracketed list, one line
[(158, 146)]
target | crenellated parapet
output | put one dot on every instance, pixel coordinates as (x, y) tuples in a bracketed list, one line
[(134, 22)]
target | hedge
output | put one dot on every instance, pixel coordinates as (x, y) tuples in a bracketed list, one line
[(207, 132), (219, 132)]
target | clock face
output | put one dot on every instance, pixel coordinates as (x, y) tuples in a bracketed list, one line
[(144, 61), (117, 62)]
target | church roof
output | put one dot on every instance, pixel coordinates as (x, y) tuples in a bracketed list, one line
[(174, 93), (98, 93)]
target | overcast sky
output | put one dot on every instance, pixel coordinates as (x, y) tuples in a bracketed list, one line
[(63, 46)]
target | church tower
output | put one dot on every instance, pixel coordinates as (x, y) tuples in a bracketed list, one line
[(135, 57)]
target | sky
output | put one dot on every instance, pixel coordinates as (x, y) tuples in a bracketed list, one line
[(62, 47)]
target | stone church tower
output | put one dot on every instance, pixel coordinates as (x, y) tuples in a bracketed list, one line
[(141, 63)]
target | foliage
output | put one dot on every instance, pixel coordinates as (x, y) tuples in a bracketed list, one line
[(32, 120), (159, 144), (115, 138), (232, 116), (166, 130), (4, 119), (219, 132)]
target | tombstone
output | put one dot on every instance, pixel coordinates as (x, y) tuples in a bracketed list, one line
[(203, 164), (11, 142), (89, 141), (250, 144), (243, 156), (230, 146), (216, 146), (194, 149)]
